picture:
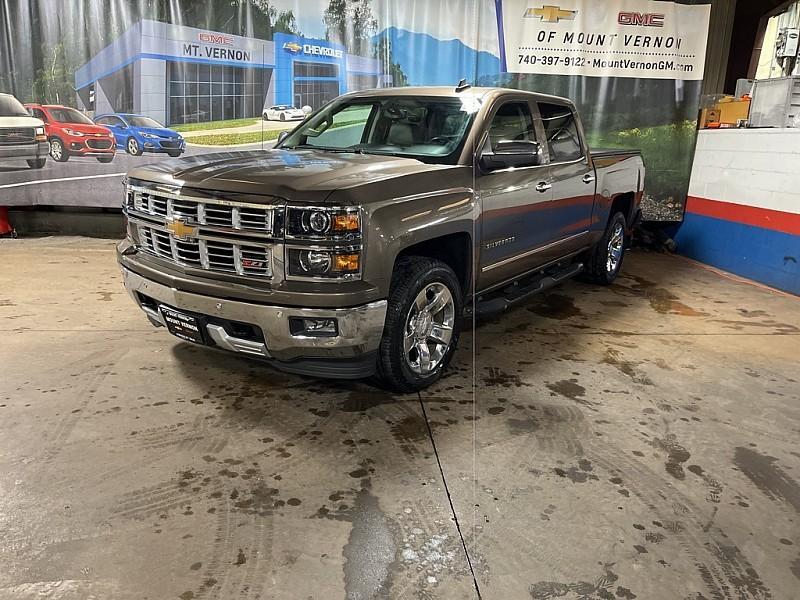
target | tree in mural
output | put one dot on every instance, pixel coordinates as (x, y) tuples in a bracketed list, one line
[(383, 52), (351, 24)]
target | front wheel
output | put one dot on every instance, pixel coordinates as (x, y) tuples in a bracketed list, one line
[(105, 159), (58, 151), (37, 163), (174, 154), (132, 147), (422, 324), (605, 259)]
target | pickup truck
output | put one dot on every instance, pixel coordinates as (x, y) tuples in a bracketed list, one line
[(22, 137), (357, 245)]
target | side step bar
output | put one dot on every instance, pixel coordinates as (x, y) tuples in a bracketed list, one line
[(520, 291)]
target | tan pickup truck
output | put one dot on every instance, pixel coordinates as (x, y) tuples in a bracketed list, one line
[(352, 248)]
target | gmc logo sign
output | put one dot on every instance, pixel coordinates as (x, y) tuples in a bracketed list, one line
[(641, 20), (215, 38)]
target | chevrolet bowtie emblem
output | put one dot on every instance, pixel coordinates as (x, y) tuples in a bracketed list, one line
[(180, 229), (550, 14), (292, 47)]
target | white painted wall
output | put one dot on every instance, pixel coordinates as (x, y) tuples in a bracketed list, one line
[(752, 167)]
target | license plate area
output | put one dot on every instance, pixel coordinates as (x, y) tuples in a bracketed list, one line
[(183, 326)]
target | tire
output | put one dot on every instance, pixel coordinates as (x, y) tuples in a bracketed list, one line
[(132, 147), (37, 163), (174, 154), (58, 151), (604, 261), (419, 283), (283, 116), (105, 159)]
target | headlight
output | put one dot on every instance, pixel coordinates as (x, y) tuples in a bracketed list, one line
[(328, 264), (317, 223), (39, 131), (73, 133), (150, 136), (40, 134)]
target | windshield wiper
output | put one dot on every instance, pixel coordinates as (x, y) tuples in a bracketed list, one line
[(312, 147)]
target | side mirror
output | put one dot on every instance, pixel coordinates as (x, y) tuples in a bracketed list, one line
[(282, 136), (512, 153)]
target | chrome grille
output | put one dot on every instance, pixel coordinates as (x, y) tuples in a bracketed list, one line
[(213, 255), (199, 211)]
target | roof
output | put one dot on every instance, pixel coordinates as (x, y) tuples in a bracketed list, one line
[(450, 92)]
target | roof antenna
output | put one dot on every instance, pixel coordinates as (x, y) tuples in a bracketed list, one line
[(462, 85)]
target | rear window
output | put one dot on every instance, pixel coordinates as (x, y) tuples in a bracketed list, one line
[(561, 132), (11, 107)]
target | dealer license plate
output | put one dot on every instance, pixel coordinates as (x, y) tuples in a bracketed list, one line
[(183, 326)]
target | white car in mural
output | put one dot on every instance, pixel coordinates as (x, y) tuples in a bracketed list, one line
[(283, 112)]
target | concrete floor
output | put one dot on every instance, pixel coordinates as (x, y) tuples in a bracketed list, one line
[(639, 441)]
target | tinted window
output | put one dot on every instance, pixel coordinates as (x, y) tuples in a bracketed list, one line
[(561, 132), (39, 114), (514, 122), (136, 121), (69, 115), (11, 107)]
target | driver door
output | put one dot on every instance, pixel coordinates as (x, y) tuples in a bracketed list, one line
[(515, 201)]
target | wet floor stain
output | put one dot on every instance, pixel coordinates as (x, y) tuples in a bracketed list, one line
[(578, 474), (614, 358), (498, 377), (773, 481), (602, 588), (569, 388), (676, 455), (370, 550), (661, 299), (555, 306)]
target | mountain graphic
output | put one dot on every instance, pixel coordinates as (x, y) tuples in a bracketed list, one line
[(427, 60)]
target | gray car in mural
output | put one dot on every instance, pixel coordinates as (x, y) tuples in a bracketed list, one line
[(358, 245)]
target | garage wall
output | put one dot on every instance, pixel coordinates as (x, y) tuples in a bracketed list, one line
[(743, 210)]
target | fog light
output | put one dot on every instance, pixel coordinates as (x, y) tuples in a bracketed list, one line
[(313, 327)]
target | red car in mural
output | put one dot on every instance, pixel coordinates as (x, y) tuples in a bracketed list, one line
[(71, 133)]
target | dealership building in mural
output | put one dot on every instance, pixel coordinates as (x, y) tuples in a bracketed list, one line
[(177, 74)]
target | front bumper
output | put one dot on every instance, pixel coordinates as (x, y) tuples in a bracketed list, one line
[(84, 146), (351, 354), (25, 151), (163, 145)]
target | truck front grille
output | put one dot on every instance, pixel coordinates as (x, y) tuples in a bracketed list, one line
[(237, 258), (211, 212), (16, 136)]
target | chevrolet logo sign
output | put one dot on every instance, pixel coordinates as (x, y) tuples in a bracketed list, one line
[(550, 14), (180, 229), (292, 47)]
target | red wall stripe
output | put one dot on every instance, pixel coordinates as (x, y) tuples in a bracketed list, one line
[(766, 218)]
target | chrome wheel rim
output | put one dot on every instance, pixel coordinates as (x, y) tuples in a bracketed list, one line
[(615, 246), (429, 328), (56, 150), (132, 146)]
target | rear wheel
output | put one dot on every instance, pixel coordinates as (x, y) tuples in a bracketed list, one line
[(605, 259), (58, 151), (37, 163), (422, 324)]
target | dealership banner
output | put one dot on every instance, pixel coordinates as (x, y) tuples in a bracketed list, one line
[(123, 83), (612, 38)]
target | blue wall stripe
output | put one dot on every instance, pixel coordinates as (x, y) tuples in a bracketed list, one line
[(770, 257)]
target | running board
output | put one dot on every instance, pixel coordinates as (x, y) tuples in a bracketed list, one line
[(520, 291)]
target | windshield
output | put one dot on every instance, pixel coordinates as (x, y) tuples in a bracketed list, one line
[(424, 128), (11, 107), (144, 122), (69, 115)]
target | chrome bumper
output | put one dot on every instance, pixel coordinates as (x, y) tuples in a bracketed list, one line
[(359, 328)]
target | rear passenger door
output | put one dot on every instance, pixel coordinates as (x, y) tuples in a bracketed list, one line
[(572, 176), (515, 201)]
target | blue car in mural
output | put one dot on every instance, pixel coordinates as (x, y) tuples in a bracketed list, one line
[(137, 134)]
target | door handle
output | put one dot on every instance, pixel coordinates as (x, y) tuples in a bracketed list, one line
[(589, 178), (543, 187)]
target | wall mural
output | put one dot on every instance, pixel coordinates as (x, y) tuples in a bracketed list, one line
[(122, 82)]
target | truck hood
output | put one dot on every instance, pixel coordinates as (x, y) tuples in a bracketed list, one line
[(291, 174), (20, 122)]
